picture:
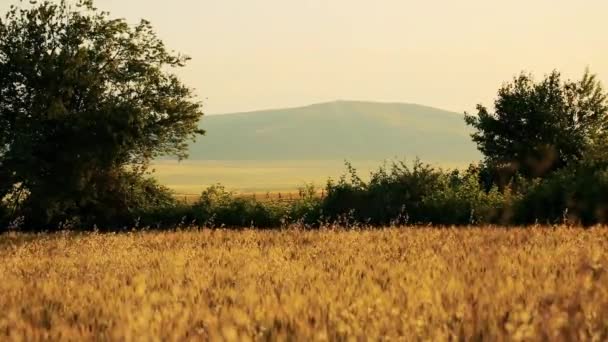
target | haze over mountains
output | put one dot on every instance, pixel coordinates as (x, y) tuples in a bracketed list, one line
[(338, 130)]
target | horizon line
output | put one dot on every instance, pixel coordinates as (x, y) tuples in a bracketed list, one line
[(329, 103)]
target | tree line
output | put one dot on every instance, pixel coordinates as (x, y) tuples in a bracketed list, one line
[(87, 101)]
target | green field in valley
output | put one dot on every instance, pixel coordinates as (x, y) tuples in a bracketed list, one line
[(192, 177)]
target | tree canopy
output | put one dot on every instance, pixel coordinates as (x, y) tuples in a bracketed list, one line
[(539, 127), (86, 101)]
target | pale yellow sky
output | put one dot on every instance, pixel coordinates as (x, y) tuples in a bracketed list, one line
[(452, 54)]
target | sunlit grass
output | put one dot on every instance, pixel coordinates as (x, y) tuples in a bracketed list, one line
[(398, 283)]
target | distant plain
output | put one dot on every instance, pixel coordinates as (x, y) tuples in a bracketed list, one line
[(191, 177)]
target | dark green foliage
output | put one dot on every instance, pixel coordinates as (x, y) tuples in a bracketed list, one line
[(217, 207), (419, 194), (390, 195), (577, 194), (166, 217), (86, 101), (539, 127), (400, 194), (220, 208), (131, 196), (461, 199), (308, 209)]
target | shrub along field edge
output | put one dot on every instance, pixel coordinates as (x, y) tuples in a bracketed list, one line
[(396, 194)]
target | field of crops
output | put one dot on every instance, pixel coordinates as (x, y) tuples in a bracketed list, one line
[(330, 284)]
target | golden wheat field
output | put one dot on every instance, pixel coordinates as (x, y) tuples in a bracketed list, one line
[(329, 284)]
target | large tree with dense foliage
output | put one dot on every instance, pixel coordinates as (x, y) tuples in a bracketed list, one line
[(86, 101), (539, 127)]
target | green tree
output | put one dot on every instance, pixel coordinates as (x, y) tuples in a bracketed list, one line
[(539, 127), (86, 102)]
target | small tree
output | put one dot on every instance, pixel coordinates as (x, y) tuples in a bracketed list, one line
[(539, 127), (86, 101)]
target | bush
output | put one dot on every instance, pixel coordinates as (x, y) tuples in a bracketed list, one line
[(166, 217), (462, 199), (126, 196), (131, 197), (419, 194), (577, 194), (395, 194), (399, 194), (308, 210), (138, 202), (218, 207)]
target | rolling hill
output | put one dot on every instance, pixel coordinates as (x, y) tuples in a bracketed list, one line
[(337, 131)]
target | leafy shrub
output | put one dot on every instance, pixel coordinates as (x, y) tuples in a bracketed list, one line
[(392, 194), (400, 194), (129, 197), (218, 207), (126, 196), (417, 194), (462, 199), (308, 210), (577, 194), (395, 194), (166, 217)]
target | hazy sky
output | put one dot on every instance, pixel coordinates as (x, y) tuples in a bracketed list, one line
[(452, 54)]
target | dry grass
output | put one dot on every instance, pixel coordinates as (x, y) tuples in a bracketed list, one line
[(401, 284)]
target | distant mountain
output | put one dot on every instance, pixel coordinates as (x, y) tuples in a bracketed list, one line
[(338, 130)]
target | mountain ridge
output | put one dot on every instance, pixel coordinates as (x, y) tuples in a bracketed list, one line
[(334, 102), (355, 130)]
